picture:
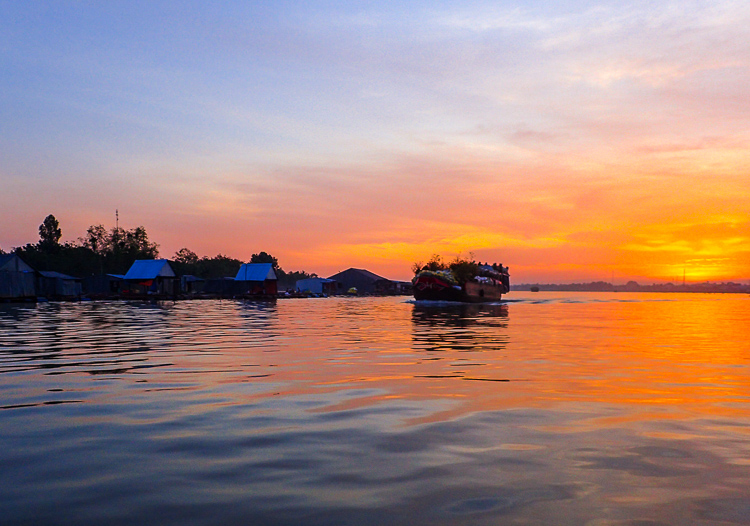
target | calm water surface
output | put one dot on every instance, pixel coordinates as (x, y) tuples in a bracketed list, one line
[(551, 408)]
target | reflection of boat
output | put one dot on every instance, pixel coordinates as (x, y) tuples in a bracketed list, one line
[(459, 327), (484, 283), (460, 315)]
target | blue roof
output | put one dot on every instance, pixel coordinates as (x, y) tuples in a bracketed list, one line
[(150, 269), (255, 272)]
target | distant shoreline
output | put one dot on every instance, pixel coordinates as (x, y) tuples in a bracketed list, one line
[(632, 286)]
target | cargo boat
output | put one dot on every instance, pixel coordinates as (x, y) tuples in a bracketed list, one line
[(488, 283)]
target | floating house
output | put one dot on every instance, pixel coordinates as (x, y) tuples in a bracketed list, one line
[(316, 286), (103, 285), (363, 280), (59, 286), (256, 279), (190, 284), (17, 279), (222, 287), (150, 276), (404, 288)]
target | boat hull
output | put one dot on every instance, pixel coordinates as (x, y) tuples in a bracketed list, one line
[(483, 292), (430, 288)]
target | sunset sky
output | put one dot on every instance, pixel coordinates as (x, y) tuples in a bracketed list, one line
[(569, 140)]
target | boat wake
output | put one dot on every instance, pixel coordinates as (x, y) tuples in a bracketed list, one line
[(443, 303)]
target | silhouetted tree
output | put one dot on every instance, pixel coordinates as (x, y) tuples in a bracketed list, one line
[(288, 280), (49, 234), (96, 239), (99, 251), (264, 257), (114, 251), (118, 248), (186, 256), (219, 266), (186, 261)]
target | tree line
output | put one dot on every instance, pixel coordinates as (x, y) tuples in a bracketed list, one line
[(113, 251)]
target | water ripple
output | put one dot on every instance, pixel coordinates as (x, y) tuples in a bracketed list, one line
[(544, 409)]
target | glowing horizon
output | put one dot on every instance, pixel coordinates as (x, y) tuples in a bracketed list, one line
[(572, 143)]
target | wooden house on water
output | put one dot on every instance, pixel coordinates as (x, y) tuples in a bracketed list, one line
[(220, 287), (316, 286), (17, 279), (364, 281), (150, 277), (103, 285), (58, 286), (190, 284), (256, 279)]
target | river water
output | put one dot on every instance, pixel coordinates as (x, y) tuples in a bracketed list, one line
[(550, 408)]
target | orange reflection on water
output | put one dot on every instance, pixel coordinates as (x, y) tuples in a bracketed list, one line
[(647, 356), (633, 357)]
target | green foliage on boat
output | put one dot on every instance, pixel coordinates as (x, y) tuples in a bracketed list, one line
[(457, 272)]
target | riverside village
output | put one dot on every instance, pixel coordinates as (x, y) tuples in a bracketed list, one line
[(123, 264)]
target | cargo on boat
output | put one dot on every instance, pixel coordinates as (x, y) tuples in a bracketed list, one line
[(463, 281)]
